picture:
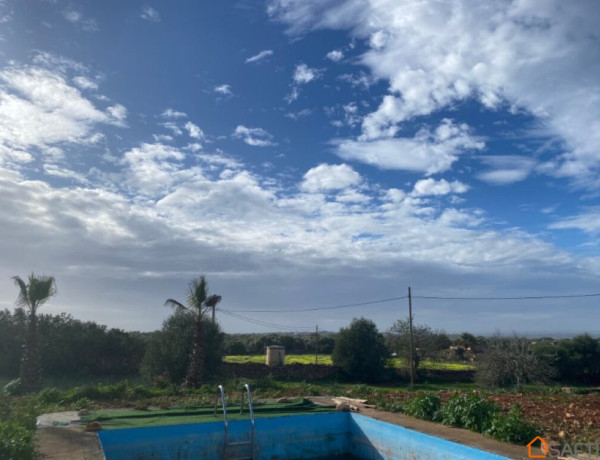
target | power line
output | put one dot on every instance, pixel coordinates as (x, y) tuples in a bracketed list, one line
[(533, 297), (262, 323), (391, 299), (292, 310)]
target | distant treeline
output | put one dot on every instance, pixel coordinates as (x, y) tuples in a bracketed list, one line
[(71, 348)]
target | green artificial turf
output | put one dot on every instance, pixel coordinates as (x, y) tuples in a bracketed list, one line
[(111, 419)]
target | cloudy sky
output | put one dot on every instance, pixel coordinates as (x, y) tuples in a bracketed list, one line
[(304, 154)]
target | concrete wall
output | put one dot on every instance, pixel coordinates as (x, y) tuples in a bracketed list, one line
[(303, 436)]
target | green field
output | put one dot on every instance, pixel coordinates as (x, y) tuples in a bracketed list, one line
[(326, 359)]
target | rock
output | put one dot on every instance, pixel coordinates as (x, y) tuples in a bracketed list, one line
[(343, 407), (83, 412), (283, 400), (93, 426)]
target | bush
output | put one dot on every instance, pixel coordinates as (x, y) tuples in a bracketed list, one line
[(13, 388), (50, 396), (510, 361), (168, 351), (16, 442), (360, 351), (425, 406), (470, 411), (512, 427)]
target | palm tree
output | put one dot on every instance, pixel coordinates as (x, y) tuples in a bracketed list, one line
[(31, 297), (198, 301)]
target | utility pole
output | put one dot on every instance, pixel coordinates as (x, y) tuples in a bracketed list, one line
[(317, 345), (412, 349)]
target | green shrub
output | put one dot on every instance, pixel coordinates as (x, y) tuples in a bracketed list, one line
[(470, 411), (424, 406), (13, 388), (360, 351), (512, 427), (50, 395), (16, 442), (309, 390), (361, 389), (390, 406), (84, 403)]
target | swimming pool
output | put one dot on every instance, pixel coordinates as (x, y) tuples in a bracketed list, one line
[(314, 436)]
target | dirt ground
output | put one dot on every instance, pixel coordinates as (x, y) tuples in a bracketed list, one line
[(560, 417)]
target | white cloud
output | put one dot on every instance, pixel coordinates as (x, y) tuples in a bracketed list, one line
[(194, 131), (533, 55), (54, 170), (304, 74), (300, 114), (152, 167), (76, 17), (506, 169), (588, 222), (38, 108), (429, 186), (256, 137), (335, 55), (118, 112), (259, 57), (224, 89), (170, 113), (150, 14), (329, 177), (72, 16), (85, 83), (428, 151), (175, 129)]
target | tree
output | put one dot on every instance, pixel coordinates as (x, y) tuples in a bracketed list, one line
[(578, 359), (31, 297), (360, 351), (168, 350), (198, 302), (427, 343), (510, 361)]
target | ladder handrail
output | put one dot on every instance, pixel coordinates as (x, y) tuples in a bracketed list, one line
[(221, 392), (251, 410)]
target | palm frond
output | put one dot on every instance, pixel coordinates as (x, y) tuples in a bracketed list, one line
[(23, 299), (197, 295), (174, 304), (212, 300), (41, 288)]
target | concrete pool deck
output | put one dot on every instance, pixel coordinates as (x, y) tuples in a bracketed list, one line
[(61, 436)]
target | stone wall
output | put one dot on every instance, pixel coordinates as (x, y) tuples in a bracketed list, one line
[(296, 371)]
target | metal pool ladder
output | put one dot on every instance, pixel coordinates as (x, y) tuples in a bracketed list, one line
[(228, 446)]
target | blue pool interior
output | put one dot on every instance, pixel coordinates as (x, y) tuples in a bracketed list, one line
[(314, 436)]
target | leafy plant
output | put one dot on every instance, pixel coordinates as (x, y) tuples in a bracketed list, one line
[(424, 406), (50, 395), (16, 442), (14, 388), (470, 411), (512, 427), (360, 351)]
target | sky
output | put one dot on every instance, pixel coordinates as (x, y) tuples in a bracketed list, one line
[(305, 154)]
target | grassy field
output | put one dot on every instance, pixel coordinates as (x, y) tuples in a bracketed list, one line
[(326, 359)]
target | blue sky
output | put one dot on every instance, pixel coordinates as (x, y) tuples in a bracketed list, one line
[(304, 154)]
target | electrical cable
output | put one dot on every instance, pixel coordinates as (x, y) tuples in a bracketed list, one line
[(322, 308)]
